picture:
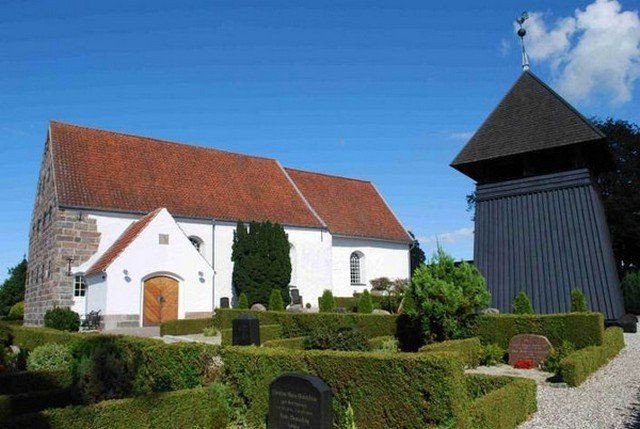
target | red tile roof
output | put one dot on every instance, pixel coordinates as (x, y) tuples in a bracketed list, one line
[(105, 170), (349, 206), (121, 243)]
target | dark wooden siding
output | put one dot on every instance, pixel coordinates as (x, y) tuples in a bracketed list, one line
[(546, 235)]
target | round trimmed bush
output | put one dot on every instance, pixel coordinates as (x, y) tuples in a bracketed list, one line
[(62, 319), (50, 357), (17, 311)]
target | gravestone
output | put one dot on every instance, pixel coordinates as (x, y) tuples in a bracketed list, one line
[(296, 299), (299, 401), (246, 330), (224, 302), (529, 346)]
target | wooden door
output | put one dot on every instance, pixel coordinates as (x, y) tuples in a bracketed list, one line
[(160, 300)]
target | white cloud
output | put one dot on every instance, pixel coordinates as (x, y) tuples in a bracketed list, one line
[(595, 51), (451, 237), (505, 47)]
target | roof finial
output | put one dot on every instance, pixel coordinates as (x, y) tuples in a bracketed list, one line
[(521, 33)]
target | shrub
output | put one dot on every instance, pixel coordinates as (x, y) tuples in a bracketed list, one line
[(345, 339), (577, 366), (522, 304), (185, 326), (469, 350), (385, 344), (243, 302), (276, 302), (428, 388), (500, 402), (631, 292), (17, 311), (365, 304), (29, 338), (62, 319), (326, 302), (578, 301), (349, 421), (301, 324), (447, 298), (198, 408), (50, 357), (210, 331), (581, 329), (492, 354), (552, 363), (287, 343), (12, 383), (31, 402)]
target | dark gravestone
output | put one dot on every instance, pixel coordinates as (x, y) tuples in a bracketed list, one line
[(246, 331), (296, 299), (299, 401), (224, 302)]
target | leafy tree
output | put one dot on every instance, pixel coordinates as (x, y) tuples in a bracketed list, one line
[(12, 290), (522, 304), (243, 302), (327, 302), (416, 254), (276, 303), (631, 292), (447, 298), (619, 190), (261, 263), (578, 301), (365, 303)]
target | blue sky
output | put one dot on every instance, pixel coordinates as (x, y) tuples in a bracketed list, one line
[(388, 91)]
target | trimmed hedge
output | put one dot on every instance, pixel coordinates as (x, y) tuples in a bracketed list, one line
[(428, 388), (469, 350), (200, 407), (581, 329), (23, 403), (267, 333), (185, 326), (13, 383), (499, 402), (287, 343), (578, 366), (31, 337), (377, 342), (301, 324)]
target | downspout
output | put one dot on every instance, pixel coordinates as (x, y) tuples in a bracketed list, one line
[(213, 265)]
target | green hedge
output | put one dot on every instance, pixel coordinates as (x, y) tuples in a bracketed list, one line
[(13, 383), (185, 326), (200, 407), (499, 402), (177, 366), (267, 333), (301, 324), (385, 390), (581, 329), (31, 337), (577, 367), (469, 350), (377, 342), (287, 343), (22, 403)]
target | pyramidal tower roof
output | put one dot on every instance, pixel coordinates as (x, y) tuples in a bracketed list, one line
[(530, 118)]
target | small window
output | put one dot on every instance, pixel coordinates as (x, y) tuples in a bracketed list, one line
[(79, 286), (355, 268), (163, 238), (197, 243)]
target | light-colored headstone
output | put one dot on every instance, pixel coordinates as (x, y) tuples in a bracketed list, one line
[(381, 312), (258, 307), (529, 346)]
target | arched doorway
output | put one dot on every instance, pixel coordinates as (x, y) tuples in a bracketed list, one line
[(160, 300)]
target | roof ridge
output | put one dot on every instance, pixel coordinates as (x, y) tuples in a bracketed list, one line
[(355, 179), (163, 141)]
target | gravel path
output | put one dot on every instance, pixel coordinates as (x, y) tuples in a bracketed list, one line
[(610, 398)]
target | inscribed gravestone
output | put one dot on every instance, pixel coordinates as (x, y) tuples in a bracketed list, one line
[(529, 346), (246, 330), (299, 401), (224, 302)]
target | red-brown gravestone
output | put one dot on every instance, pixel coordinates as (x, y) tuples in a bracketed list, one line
[(529, 346)]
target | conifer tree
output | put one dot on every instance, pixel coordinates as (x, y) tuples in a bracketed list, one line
[(243, 302), (365, 303), (276, 302), (578, 301), (522, 304)]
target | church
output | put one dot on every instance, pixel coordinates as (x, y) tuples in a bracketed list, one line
[(141, 229)]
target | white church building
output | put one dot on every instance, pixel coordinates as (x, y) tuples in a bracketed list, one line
[(142, 229)]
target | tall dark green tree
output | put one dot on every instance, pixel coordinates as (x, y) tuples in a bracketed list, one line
[(261, 263), (416, 254), (12, 290)]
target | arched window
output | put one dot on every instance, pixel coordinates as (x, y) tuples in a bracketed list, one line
[(355, 264), (197, 243)]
